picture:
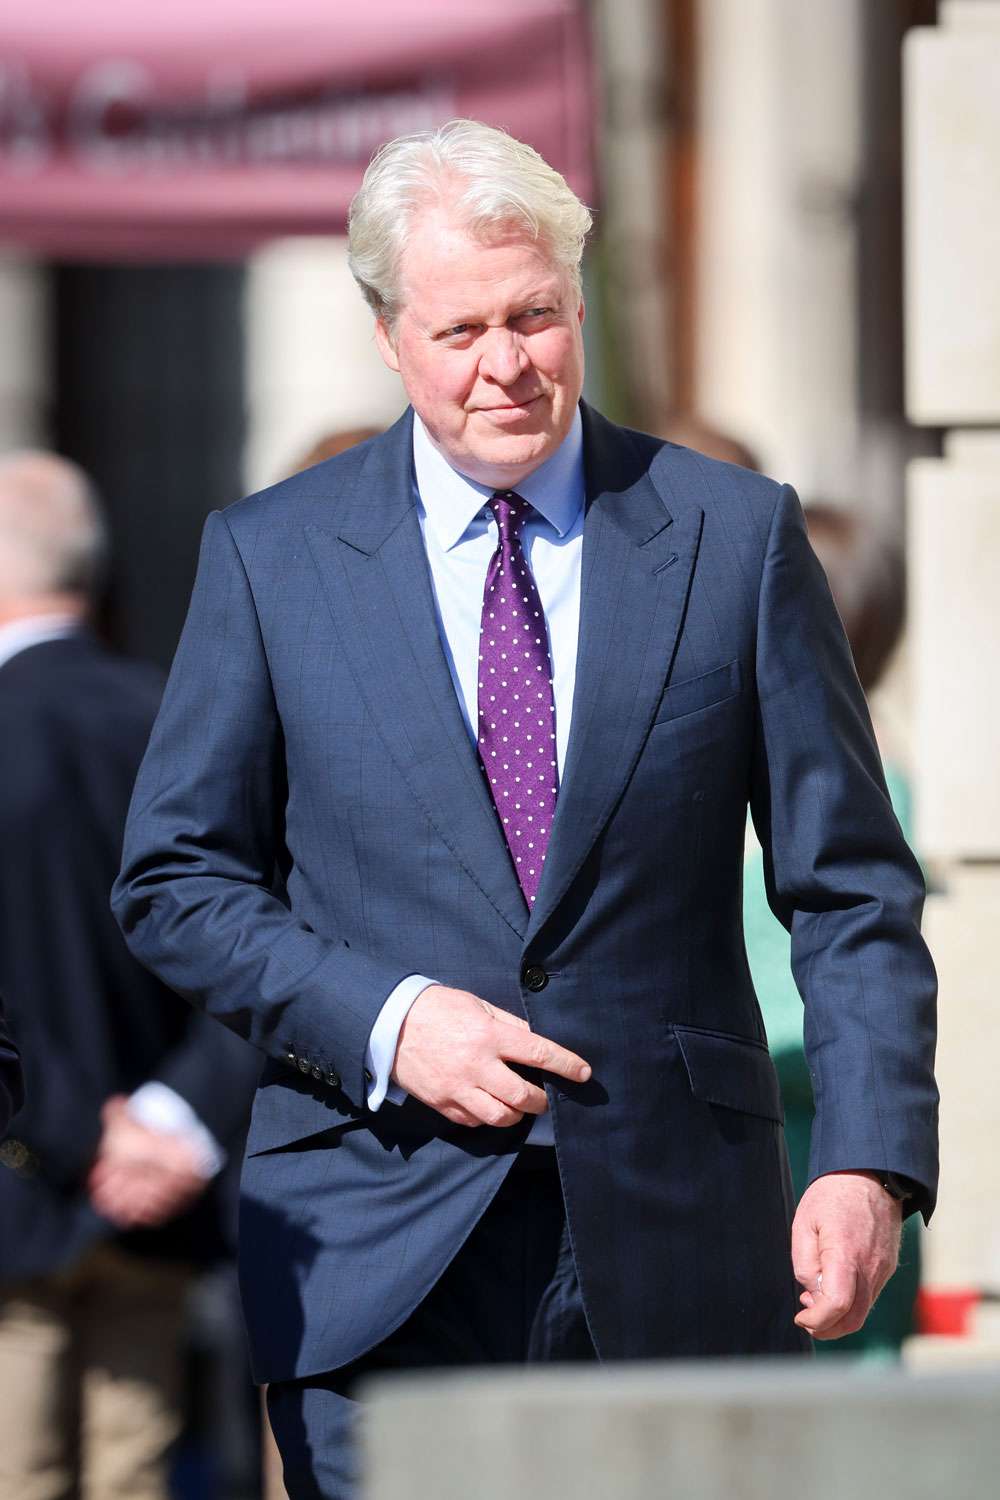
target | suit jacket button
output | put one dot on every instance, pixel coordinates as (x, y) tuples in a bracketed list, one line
[(304, 1065), (534, 978)]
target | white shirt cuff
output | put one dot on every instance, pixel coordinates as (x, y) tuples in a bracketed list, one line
[(384, 1039), (158, 1107)]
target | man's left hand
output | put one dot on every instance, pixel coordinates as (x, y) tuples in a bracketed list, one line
[(845, 1246)]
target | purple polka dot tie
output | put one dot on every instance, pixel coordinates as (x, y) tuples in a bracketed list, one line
[(517, 713)]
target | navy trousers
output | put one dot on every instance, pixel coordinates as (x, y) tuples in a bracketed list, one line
[(510, 1296)]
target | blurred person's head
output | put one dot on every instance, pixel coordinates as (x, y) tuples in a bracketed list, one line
[(52, 537), (867, 579), (688, 429), (333, 443), (467, 246)]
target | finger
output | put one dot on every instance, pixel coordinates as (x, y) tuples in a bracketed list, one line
[(850, 1323), (108, 1183), (457, 1114), (156, 1203), (805, 1251), (513, 1090), (113, 1205), (491, 1111), (155, 1211), (833, 1297), (539, 1052)]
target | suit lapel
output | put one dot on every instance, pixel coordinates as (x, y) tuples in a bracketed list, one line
[(636, 570), (377, 582)]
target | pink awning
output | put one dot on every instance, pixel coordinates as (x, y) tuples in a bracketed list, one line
[(201, 127)]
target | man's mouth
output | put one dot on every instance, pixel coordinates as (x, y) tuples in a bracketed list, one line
[(512, 406)]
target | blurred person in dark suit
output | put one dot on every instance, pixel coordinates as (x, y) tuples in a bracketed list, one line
[(112, 1190), (11, 1083)]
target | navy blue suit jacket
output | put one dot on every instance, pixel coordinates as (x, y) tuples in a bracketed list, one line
[(310, 825)]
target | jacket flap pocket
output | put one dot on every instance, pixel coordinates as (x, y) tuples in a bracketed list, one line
[(732, 1072), (699, 692)]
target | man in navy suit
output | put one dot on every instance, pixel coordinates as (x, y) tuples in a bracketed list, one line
[(445, 811)]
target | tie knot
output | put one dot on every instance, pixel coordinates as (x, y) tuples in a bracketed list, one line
[(511, 512)]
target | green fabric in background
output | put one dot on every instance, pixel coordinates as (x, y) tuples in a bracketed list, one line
[(769, 952)]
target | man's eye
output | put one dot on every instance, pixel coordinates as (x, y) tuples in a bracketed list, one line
[(535, 312)]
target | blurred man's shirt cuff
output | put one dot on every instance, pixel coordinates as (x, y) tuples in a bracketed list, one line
[(158, 1107), (384, 1039)]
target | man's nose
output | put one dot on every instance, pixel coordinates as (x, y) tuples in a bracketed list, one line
[(504, 357)]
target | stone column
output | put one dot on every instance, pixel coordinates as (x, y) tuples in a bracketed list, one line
[(631, 229), (780, 86), (24, 352), (952, 228)]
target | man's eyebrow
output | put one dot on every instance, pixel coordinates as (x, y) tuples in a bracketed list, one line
[(541, 297), (534, 298)]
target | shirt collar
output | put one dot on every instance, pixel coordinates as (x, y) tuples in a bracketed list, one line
[(19, 635), (451, 501)]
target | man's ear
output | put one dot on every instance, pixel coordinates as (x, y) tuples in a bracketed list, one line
[(386, 344), (582, 310)]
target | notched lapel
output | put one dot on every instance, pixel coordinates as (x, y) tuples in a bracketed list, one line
[(377, 584), (638, 559)]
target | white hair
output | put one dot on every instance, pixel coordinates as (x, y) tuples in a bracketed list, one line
[(489, 181), (52, 533)]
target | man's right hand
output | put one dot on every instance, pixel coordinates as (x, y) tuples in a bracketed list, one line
[(452, 1054)]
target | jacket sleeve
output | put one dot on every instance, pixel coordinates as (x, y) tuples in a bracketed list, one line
[(199, 895), (841, 879)]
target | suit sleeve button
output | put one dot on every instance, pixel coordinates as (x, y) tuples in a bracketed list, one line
[(304, 1065), (534, 978), (333, 1079), (317, 1071)]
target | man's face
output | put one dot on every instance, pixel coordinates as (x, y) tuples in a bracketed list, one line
[(489, 345)]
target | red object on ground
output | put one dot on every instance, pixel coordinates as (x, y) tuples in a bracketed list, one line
[(946, 1310), (195, 129)]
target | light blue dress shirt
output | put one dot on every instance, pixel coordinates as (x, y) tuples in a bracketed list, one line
[(460, 535)]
